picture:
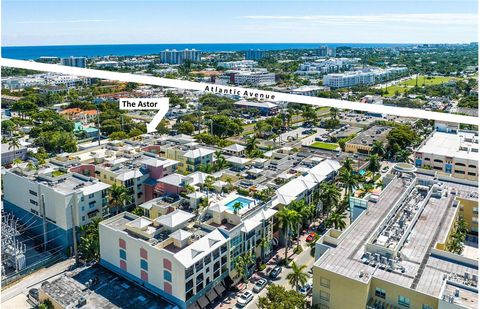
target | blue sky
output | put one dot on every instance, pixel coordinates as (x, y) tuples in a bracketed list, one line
[(70, 22)]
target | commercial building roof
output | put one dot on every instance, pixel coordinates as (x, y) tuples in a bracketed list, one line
[(463, 145), (174, 218)]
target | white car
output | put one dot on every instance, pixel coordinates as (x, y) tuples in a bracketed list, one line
[(259, 285), (245, 298), (306, 289)]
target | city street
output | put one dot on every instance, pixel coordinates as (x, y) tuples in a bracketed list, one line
[(304, 258)]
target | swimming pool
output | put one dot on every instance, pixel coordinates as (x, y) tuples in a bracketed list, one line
[(242, 200)]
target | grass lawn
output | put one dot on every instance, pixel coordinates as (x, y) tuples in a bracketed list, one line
[(428, 81), (327, 146)]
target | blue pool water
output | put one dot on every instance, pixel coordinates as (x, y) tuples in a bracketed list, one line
[(244, 201)]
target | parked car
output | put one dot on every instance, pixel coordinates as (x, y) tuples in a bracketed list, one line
[(245, 298), (311, 236), (306, 289), (259, 285), (275, 272)]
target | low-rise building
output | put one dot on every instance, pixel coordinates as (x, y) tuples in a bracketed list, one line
[(363, 142), (453, 153)]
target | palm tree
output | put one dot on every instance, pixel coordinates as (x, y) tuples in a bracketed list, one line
[(119, 196), (330, 196), (288, 219), (251, 145), (349, 180), (378, 148), (337, 220), (298, 276), (264, 244), (220, 162), (14, 144), (305, 212), (17, 161), (373, 163), (242, 262), (348, 164), (367, 188), (236, 207), (208, 184)]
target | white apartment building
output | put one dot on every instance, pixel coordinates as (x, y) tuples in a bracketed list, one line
[(181, 265), (238, 65), (325, 66), (254, 78), (364, 77), (55, 196)]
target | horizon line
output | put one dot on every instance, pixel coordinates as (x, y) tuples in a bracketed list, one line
[(233, 43)]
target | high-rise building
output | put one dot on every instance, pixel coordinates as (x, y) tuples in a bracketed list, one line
[(79, 62), (179, 56), (325, 51), (254, 54)]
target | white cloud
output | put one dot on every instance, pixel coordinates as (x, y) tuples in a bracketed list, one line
[(74, 21), (451, 19)]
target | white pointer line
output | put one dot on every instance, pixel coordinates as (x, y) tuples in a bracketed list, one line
[(174, 83)]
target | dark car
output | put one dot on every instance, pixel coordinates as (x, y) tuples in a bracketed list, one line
[(275, 272)]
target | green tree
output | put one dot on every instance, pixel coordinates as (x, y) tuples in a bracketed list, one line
[(236, 207), (309, 115), (138, 211), (373, 163), (242, 262), (298, 277), (279, 297), (378, 148), (119, 196), (89, 247), (208, 183), (337, 220), (350, 182), (288, 219), (13, 144), (330, 196)]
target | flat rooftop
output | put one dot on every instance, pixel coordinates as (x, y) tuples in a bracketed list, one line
[(418, 269), (370, 135), (461, 145)]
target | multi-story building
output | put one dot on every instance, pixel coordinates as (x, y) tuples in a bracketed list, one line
[(393, 254), (454, 153), (52, 201), (189, 262), (265, 108), (238, 65), (325, 66), (258, 77), (363, 77), (79, 62), (190, 158), (363, 142), (179, 56), (325, 51), (254, 54), (9, 154)]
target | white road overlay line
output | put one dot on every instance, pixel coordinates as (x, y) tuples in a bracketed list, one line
[(278, 96)]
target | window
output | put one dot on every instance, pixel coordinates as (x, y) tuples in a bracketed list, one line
[(91, 195), (188, 272), (189, 285), (167, 287), (33, 202), (168, 265), (33, 211), (459, 164), (123, 265), (324, 296), (91, 205), (167, 275), (144, 275), (32, 192), (143, 254), (144, 264), (459, 172), (121, 243), (404, 301), (380, 293), (123, 254), (325, 282), (83, 208), (83, 218)]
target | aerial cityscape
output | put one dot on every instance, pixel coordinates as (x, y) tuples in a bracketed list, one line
[(240, 199)]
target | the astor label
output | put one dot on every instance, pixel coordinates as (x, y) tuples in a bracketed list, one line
[(142, 103)]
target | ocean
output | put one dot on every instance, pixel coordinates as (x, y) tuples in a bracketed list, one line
[(35, 52)]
